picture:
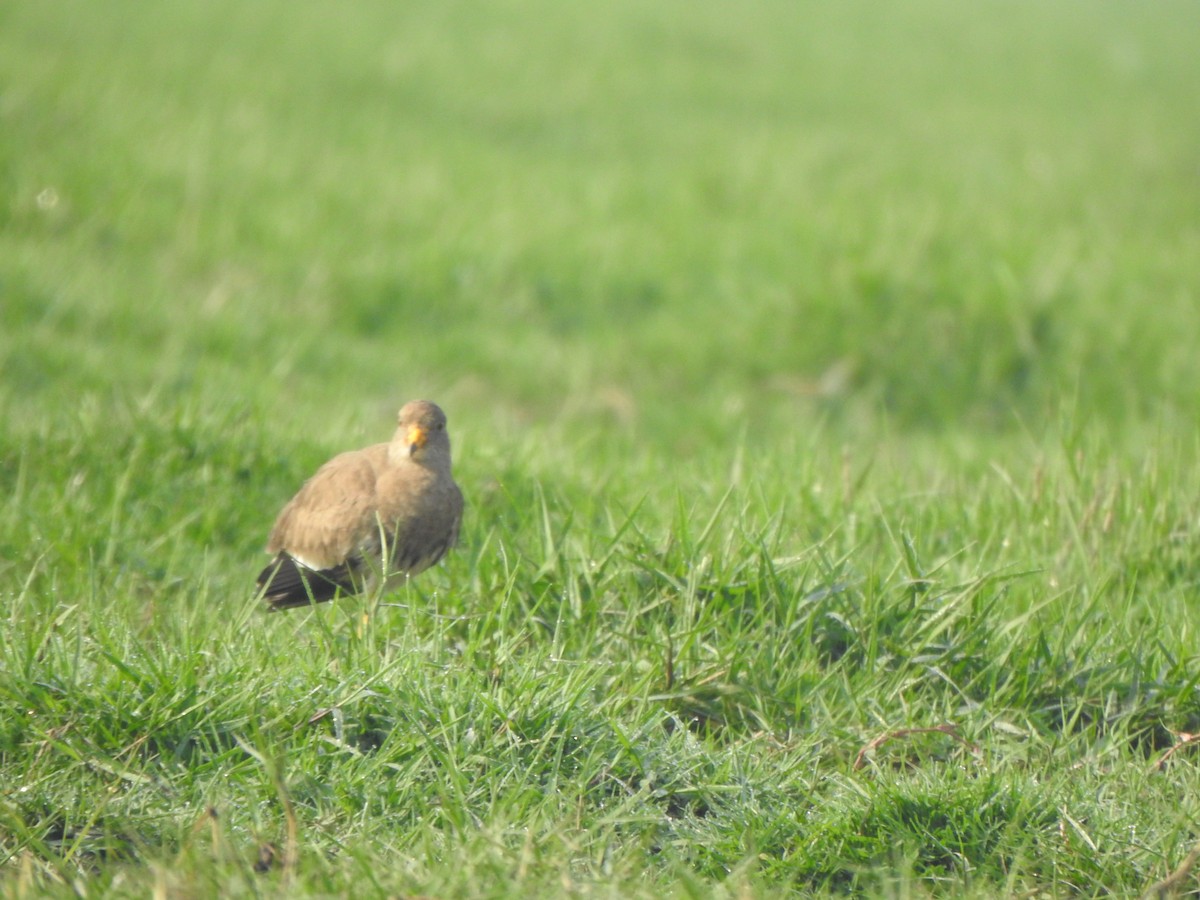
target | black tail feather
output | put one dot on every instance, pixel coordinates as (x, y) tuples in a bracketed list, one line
[(285, 584)]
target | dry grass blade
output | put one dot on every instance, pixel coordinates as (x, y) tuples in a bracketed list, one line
[(1170, 885), (1183, 739), (861, 758)]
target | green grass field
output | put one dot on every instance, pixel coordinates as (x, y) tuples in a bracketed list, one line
[(823, 382)]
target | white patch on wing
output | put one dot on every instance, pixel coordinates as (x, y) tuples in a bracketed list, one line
[(306, 563)]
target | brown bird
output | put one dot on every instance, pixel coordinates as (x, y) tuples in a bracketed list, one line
[(389, 510)]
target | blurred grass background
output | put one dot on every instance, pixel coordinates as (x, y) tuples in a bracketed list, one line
[(948, 216)]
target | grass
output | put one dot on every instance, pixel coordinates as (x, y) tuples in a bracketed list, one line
[(822, 382)]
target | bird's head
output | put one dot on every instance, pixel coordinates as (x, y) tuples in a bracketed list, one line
[(422, 428)]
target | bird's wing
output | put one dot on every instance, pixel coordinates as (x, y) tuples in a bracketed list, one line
[(334, 516), (286, 583)]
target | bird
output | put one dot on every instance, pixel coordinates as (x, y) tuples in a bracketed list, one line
[(385, 512)]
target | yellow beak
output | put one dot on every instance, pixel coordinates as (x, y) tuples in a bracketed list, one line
[(416, 437)]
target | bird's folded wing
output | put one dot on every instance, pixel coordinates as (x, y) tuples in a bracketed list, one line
[(334, 516), (285, 583)]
